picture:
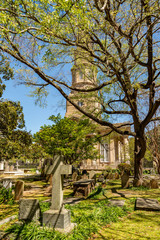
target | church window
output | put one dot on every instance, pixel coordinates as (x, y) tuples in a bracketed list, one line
[(80, 75), (80, 104), (104, 152)]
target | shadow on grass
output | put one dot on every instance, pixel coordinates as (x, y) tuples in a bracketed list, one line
[(13, 230), (114, 190)]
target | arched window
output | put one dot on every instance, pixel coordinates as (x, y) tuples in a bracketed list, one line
[(81, 75), (104, 152), (80, 104)]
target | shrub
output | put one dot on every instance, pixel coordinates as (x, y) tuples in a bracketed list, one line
[(6, 196), (124, 168)]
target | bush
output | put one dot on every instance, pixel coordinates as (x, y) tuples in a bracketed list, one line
[(124, 168), (6, 196)]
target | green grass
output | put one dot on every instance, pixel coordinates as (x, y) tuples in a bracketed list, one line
[(96, 220), (89, 215), (138, 225)]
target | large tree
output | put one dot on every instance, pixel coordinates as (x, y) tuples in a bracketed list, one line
[(118, 37), (75, 140)]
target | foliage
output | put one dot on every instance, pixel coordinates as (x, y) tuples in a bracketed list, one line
[(6, 196), (124, 167), (73, 139)]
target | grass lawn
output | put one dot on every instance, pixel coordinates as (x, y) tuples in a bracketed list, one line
[(95, 220), (138, 225)]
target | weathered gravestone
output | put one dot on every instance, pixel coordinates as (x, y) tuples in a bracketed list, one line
[(83, 187), (154, 184), (6, 167), (118, 203), (7, 183), (74, 176), (29, 210), (11, 168), (19, 188), (2, 165), (92, 175), (58, 217), (147, 204)]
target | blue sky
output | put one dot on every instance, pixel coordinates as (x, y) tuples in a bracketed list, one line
[(34, 115)]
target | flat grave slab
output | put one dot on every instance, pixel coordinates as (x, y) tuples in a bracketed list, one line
[(147, 204)]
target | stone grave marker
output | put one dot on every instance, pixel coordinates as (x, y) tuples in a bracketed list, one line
[(6, 167), (29, 210), (58, 217), (7, 183), (19, 188), (154, 184), (2, 165), (11, 168), (118, 203), (74, 176), (92, 175), (17, 165), (147, 204)]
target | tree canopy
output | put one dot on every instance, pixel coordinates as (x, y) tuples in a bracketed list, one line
[(120, 38), (75, 140)]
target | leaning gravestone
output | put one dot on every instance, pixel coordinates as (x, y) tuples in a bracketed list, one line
[(29, 210), (147, 204), (58, 217), (19, 188)]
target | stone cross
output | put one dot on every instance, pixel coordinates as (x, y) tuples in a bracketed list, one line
[(58, 169), (17, 165)]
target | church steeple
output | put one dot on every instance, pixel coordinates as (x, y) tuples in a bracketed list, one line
[(83, 76)]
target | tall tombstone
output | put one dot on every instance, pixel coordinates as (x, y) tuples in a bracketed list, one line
[(2, 165), (11, 168), (29, 210), (19, 188), (6, 167), (57, 217)]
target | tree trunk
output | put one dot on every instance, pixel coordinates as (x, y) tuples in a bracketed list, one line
[(139, 152)]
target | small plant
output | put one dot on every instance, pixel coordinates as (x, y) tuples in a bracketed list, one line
[(124, 168), (6, 196)]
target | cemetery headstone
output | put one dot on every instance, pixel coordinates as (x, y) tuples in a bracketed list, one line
[(2, 165), (29, 210), (74, 176), (17, 165), (83, 187), (57, 217), (154, 184), (11, 168), (6, 167), (19, 188), (125, 180), (147, 204), (7, 183), (118, 203), (92, 175)]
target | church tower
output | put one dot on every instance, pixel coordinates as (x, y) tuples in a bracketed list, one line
[(83, 77)]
